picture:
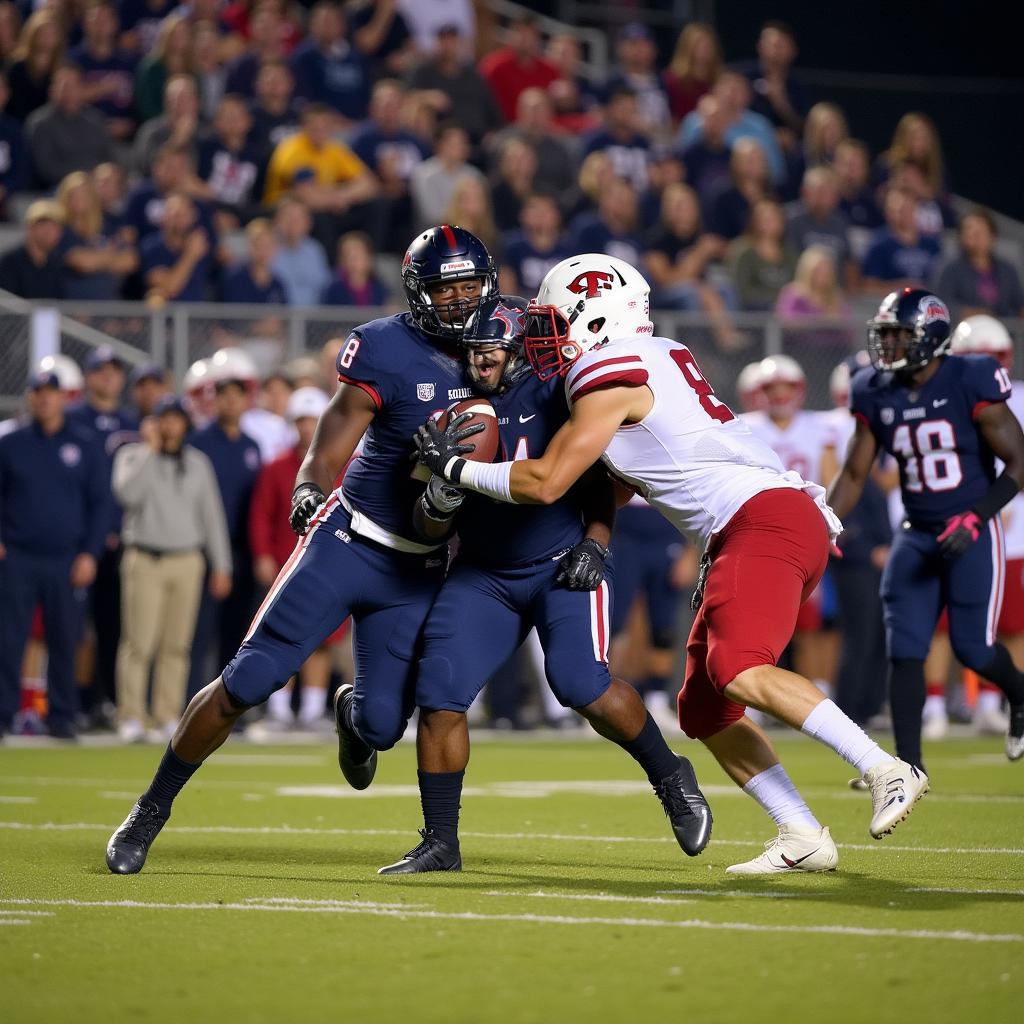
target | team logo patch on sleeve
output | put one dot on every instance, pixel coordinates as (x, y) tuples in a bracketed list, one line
[(425, 392), (888, 417), (70, 454)]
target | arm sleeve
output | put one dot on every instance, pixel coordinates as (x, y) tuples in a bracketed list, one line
[(215, 526), (133, 471), (985, 383), (362, 362)]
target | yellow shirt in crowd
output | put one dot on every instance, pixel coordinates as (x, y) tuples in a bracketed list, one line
[(331, 164)]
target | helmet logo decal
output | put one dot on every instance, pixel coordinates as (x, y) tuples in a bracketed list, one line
[(457, 266), (511, 318), (592, 282), (932, 309)]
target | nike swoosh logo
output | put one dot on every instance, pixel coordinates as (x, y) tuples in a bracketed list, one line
[(799, 860), (939, 402), (525, 419)]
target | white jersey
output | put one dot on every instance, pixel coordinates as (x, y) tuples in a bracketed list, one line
[(1013, 514), (838, 425), (799, 445), (690, 457), (273, 433)]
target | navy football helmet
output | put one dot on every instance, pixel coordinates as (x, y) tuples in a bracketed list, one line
[(500, 323), (921, 313), (446, 253)]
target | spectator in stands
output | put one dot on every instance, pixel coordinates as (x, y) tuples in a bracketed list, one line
[(629, 150), (596, 172), (815, 292), (300, 262), (109, 182), (426, 18), (815, 220), (230, 166), (637, 70), (707, 158), (916, 141), (573, 95), (382, 36), (470, 208), (824, 129), (455, 88), (170, 57), (732, 91), (730, 209), (94, 263), (777, 95), (34, 269), (172, 514), (172, 172), (513, 182), (142, 21), (665, 169), (237, 17), (109, 72), (14, 163), (518, 66), (433, 181), (557, 160), (39, 53), (614, 228), (53, 513), (177, 126), (976, 280), (898, 256), (856, 199), (326, 175), (176, 263), (355, 281), (392, 153), (694, 68), (761, 260), (209, 69), (65, 135), (255, 281), (933, 213), (10, 30), (528, 254), (147, 384), (275, 114), (265, 44), (327, 68)]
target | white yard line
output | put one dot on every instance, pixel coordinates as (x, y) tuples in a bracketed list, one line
[(976, 892), (287, 830), (594, 897), (403, 913), (18, 799)]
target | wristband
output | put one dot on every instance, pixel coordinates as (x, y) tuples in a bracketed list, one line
[(490, 478), (1003, 490)]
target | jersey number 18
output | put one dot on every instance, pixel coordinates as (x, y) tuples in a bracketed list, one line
[(929, 456)]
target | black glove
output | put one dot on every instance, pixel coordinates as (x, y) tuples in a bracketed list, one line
[(306, 499), (437, 447), (583, 567), (440, 501)]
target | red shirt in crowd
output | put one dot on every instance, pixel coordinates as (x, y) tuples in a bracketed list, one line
[(508, 77), (269, 531)]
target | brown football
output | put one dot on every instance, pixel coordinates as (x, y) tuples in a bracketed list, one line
[(487, 441)]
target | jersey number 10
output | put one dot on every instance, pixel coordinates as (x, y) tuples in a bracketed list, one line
[(929, 456)]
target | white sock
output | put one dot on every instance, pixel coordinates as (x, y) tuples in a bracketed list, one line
[(773, 789), (312, 702), (279, 706), (935, 706), (827, 724), (990, 700)]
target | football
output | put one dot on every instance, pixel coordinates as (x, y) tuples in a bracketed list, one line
[(486, 442)]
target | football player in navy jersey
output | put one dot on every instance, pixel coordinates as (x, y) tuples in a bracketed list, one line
[(520, 567), (359, 553), (945, 420)]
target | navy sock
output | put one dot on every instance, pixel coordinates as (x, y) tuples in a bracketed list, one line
[(1005, 675), (172, 774), (652, 753), (440, 793), (906, 702)]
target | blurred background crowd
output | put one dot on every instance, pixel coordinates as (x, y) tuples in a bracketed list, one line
[(282, 154)]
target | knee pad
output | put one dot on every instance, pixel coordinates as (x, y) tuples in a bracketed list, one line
[(251, 677), (379, 725), (974, 655), (437, 690), (576, 684)]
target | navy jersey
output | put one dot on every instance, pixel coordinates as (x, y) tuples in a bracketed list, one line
[(945, 464), (495, 533), (408, 377)]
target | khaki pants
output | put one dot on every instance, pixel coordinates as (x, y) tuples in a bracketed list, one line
[(159, 601)]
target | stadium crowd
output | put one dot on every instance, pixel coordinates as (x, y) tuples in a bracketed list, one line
[(139, 138)]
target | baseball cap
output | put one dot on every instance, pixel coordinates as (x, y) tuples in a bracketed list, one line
[(306, 402), (43, 379), (147, 371), (100, 357), (635, 30), (171, 403)]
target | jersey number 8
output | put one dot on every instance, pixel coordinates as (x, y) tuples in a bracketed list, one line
[(929, 456)]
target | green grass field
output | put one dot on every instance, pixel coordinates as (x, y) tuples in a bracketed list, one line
[(260, 900)]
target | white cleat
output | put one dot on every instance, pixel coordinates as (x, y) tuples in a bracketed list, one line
[(792, 850), (936, 727), (895, 787), (1015, 733), (990, 722), (131, 731), (859, 784)]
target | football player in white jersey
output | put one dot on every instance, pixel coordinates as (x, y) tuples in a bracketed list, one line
[(640, 404)]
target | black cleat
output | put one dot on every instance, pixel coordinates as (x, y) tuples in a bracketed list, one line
[(1015, 734), (432, 854), (687, 810), (358, 762), (129, 845)]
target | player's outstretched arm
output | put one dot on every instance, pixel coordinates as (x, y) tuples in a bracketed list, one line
[(844, 492)]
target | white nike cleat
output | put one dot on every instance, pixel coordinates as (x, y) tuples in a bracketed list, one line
[(792, 850), (1015, 733), (895, 787), (936, 727), (990, 722), (859, 783)]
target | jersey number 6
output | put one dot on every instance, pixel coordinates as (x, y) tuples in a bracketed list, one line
[(714, 407)]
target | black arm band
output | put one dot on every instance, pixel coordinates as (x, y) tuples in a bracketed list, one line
[(455, 473), (1001, 493)]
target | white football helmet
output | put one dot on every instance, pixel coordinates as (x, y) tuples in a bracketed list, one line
[(983, 335), (839, 381), (783, 370), (584, 302), (748, 387), (68, 373), (233, 364), (197, 387)]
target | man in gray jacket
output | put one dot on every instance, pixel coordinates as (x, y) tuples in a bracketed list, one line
[(172, 515)]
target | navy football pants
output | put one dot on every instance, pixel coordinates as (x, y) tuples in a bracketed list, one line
[(482, 615), (918, 583), (333, 574)]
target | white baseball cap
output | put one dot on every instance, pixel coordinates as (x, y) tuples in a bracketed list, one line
[(306, 402)]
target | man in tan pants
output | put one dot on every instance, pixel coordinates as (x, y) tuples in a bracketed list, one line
[(172, 515)]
